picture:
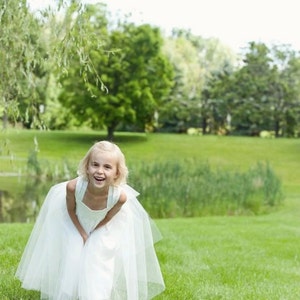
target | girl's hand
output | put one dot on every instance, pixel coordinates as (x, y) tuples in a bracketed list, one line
[(113, 211), (85, 237), (71, 207)]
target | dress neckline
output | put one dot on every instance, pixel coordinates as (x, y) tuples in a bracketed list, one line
[(109, 195)]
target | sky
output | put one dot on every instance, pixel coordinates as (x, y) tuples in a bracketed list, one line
[(234, 22)]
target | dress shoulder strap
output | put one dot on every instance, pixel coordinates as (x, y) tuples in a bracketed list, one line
[(113, 196), (81, 186)]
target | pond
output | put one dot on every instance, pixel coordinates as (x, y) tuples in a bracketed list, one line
[(21, 197)]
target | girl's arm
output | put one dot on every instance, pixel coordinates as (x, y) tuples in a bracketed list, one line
[(113, 211), (71, 207)]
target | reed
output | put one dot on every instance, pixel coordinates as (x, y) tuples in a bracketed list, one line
[(192, 189)]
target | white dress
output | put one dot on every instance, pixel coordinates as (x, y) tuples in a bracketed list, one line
[(117, 262)]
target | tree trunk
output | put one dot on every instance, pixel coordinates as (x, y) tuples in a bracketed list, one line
[(110, 133), (4, 120), (277, 128), (204, 125)]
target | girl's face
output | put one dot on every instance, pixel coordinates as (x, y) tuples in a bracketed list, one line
[(102, 169)]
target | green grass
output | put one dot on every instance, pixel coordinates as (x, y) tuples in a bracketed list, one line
[(235, 153), (209, 258), (231, 258), (13, 238), (249, 258)]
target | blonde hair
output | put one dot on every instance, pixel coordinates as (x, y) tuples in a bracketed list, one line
[(105, 146)]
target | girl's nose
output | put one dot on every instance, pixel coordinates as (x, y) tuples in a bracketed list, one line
[(100, 169)]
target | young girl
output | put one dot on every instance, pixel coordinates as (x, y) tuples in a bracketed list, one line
[(92, 239)]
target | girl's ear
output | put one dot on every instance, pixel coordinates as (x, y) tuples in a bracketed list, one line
[(117, 175)]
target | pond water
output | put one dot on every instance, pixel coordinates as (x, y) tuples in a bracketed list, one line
[(21, 197)]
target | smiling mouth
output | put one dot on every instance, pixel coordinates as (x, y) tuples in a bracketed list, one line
[(98, 179)]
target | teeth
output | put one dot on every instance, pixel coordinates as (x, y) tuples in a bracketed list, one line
[(99, 179)]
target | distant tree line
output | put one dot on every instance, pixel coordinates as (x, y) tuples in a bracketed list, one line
[(76, 65)]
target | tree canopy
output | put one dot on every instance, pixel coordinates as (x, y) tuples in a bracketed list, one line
[(136, 74), (72, 65)]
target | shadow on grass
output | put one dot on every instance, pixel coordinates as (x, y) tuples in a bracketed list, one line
[(121, 137)]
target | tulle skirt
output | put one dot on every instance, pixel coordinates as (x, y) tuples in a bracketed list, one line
[(117, 262)]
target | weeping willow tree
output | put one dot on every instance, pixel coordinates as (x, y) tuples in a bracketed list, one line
[(35, 45)]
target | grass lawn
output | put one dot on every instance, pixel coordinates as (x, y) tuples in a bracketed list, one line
[(228, 258), (209, 258), (238, 153), (231, 258)]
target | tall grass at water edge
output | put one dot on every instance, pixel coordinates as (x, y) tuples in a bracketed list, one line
[(171, 189), (177, 175)]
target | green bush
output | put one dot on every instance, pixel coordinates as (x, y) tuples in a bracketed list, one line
[(191, 188)]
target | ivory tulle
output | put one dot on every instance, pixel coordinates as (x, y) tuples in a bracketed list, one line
[(117, 262)]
